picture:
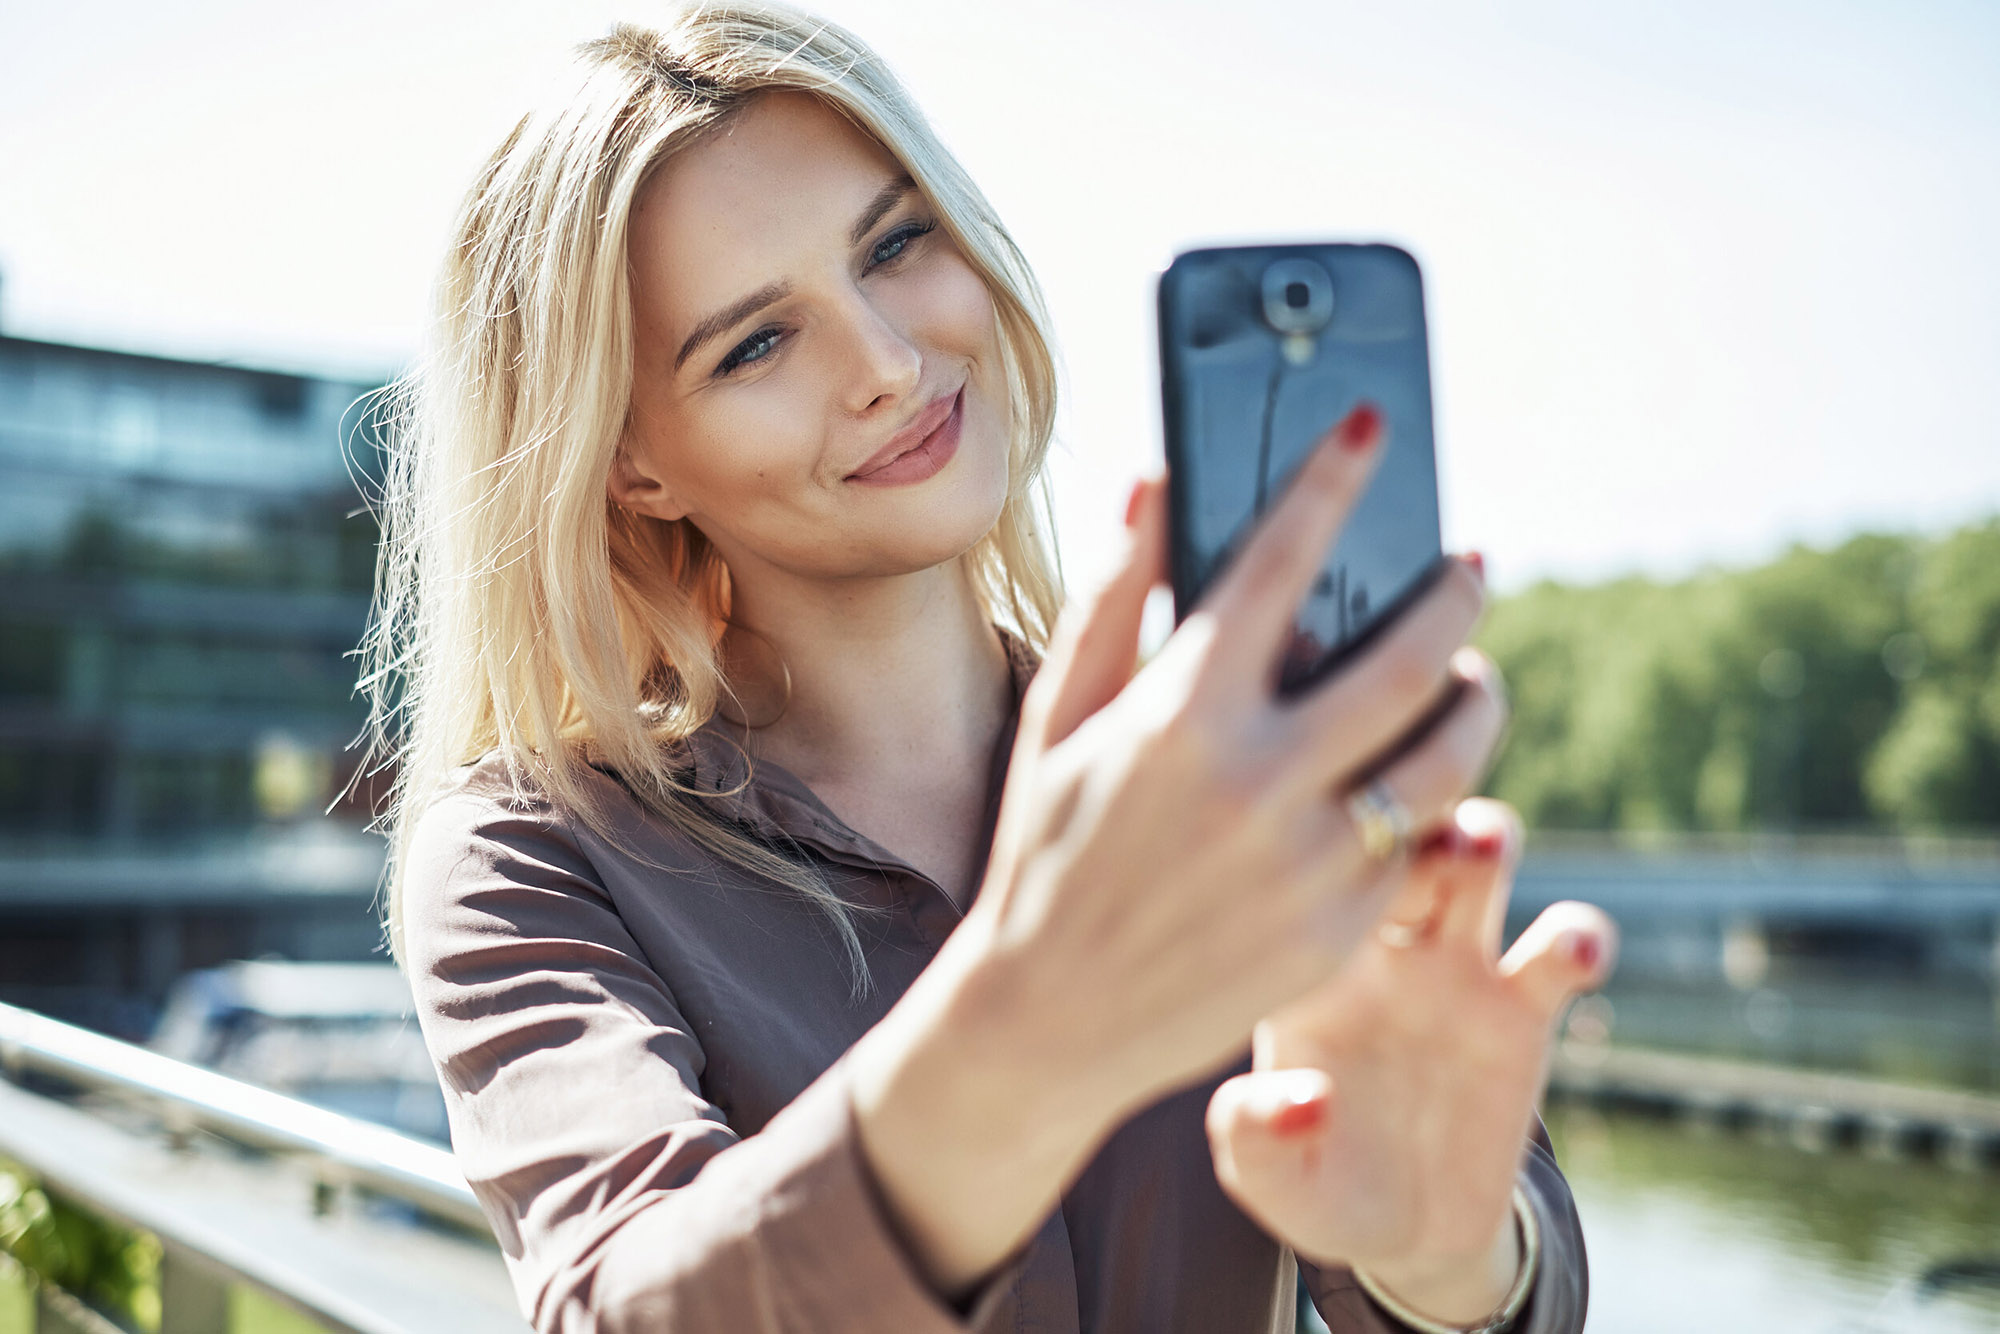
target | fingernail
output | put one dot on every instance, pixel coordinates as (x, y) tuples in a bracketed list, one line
[(1489, 842), (1358, 432), (1132, 503), (1296, 1118), (1583, 949), (1477, 562), (1444, 839)]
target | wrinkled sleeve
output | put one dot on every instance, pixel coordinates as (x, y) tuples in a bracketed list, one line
[(621, 1199), (1562, 1285)]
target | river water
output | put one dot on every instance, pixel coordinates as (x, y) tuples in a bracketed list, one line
[(1714, 1230), (1705, 1231), (1709, 1230), (1695, 1230)]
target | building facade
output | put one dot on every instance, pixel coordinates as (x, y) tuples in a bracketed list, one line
[(185, 566)]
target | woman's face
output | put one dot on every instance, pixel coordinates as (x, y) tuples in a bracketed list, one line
[(817, 377)]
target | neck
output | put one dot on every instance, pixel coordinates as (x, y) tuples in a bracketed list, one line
[(888, 675)]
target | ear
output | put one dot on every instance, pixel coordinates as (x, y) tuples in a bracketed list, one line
[(636, 486)]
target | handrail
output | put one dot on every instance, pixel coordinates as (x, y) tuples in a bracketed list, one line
[(188, 1097)]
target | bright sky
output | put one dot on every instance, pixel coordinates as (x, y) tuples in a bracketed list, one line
[(1704, 277)]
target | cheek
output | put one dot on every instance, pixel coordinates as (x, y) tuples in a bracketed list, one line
[(734, 448), (962, 324), (954, 309)]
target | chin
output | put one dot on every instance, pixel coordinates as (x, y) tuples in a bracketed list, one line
[(952, 522)]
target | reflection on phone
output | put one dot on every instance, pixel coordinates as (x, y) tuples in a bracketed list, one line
[(1259, 358)]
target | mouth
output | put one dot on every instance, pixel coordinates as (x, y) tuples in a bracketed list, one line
[(926, 432)]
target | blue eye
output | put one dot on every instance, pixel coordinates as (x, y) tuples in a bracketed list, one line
[(754, 348), (892, 246), (761, 344)]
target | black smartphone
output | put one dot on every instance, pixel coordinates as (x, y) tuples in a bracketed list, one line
[(1262, 349)]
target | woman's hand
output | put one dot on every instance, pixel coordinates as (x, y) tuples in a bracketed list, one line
[(1388, 1110), (1171, 859), (1171, 863)]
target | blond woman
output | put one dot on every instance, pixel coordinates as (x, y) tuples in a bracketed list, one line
[(811, 931)]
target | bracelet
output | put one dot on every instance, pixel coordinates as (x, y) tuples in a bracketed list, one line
[(1517, 1296)]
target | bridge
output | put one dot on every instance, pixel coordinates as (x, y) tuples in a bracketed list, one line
[(1689, 904), (81, 925)]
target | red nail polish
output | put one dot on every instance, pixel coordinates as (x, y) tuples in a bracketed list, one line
[(1296, 1118), (1358, 432), (1489, 842), (1478, 563), (1441, 839), (1584, 948)]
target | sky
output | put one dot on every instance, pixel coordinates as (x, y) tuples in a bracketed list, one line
[(1704, 278)]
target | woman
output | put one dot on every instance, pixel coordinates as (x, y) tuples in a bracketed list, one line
[(800, 950)]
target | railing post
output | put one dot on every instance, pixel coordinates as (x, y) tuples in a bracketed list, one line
[(194, 1298), (17, 1297), (57, 1312)]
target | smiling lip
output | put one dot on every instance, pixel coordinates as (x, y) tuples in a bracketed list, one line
[(919, 449)]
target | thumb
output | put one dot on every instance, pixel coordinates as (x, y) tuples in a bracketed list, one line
[(1264, 1122), (1095, 647), (1566, 951)]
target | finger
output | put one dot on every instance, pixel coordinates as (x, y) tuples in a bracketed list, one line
[(1260, 1123), (1430, 778), (1096, 642), (1254, 599), (1568, 950), (1479, 883), (1461, 871), (1374, 701), (1359, 895)]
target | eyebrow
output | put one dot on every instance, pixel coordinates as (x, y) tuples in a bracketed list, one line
[(728, 317), (885, 199), (735, 313)]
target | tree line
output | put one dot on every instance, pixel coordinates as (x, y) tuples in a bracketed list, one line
[(1857, 687)]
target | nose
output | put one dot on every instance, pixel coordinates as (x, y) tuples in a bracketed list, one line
[(885, 365)]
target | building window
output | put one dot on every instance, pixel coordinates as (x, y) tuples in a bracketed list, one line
[(282, 397), (31, 661)]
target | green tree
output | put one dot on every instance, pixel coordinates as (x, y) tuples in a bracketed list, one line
[(1853, 687), (1938, 764)]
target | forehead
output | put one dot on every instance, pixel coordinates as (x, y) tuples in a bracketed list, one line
[(767, 192)]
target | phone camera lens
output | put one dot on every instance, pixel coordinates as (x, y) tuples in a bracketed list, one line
[(1298, 296)]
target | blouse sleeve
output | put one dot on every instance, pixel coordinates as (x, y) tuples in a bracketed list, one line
[(621, 1198), (1562, 1287)]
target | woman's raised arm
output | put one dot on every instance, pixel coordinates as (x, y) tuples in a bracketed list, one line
[(1170, 864)]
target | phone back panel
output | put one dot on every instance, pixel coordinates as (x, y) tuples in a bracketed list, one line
[(1241, 416)]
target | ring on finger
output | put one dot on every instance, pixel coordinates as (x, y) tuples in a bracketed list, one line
[(1401, 935), (1383, 822)]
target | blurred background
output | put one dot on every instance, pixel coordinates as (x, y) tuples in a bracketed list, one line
[(1715, 313)]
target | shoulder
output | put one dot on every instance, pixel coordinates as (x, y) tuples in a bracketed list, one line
[(496, 798), (494, 855), (499, 790), (499, 819), (501, 815)]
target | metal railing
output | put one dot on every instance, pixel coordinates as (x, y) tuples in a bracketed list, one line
[(270, 1220)]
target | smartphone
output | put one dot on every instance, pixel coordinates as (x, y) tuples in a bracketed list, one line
[(1262, 349)]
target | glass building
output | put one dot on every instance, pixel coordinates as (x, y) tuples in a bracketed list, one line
[(185, 564)]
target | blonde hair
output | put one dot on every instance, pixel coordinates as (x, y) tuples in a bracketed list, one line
[(514, 612)]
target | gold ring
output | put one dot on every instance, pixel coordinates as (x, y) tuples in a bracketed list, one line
[(1383, 822), (1401, 935)]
